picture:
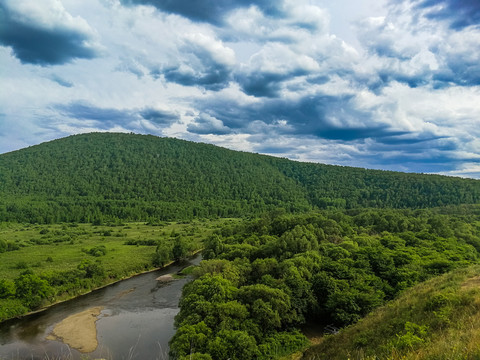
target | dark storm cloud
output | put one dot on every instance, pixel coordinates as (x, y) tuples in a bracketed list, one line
[(325, 117), (413, 141), (465, 72), (266, 84), (106, 118), (210, 11), (427, 160), (414, 145), (202, 61), (37, 44), (459, 13), (211, 77), (261, 84), (159, 117)]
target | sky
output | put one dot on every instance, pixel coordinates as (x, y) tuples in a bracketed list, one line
[(378, 84)]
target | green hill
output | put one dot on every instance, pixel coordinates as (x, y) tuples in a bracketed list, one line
[(136, 177), (438, 319)]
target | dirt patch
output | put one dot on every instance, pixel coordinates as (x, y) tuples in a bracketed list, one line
[(471, 283), (79, 331)]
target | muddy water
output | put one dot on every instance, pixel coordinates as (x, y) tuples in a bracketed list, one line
[(136, 321)]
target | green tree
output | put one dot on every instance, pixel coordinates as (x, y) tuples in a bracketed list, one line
[(31, 289), (180, 249), (163, 254), (190, 339), (234, 345), (91, 269)]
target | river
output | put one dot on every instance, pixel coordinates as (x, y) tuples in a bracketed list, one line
[(136, 321)]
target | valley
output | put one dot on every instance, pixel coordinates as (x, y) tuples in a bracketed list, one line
[(285, 245)]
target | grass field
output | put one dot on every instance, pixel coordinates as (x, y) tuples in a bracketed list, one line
[(47, 249)]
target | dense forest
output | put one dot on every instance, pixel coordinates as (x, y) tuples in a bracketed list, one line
[(91, 177), (265, 279)]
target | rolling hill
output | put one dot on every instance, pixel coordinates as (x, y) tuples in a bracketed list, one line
[(137, 177)]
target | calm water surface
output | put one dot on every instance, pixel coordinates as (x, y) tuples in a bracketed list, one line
[(136, 323)]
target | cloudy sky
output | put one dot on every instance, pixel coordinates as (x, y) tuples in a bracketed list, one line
[(379, 84)]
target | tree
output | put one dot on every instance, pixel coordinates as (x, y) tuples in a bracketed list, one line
[(180, 249), (190, 339), (31, 289), (163, 254), (234, 345), (91, 269)]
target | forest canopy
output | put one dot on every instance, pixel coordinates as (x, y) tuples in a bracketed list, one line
[(262, 280), (107, 176)]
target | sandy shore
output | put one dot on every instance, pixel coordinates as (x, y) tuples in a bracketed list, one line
[(79, 331)]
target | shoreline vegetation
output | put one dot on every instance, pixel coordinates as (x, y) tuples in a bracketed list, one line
[(76, 259), (46, 307)]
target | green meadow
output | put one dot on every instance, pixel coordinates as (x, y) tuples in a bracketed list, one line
[(71, 259)]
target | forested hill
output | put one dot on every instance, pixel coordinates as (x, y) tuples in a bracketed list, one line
[(137, 177)]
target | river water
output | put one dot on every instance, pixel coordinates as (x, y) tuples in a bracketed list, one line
[(136, 322)]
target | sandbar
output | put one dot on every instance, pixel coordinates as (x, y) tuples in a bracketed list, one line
[(168, 277), (79, 331)]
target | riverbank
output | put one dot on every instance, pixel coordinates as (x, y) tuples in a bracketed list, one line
[(75, 259), (137, 321), (66, 299)]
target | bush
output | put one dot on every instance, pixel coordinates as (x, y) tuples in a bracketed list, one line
[(10, 308), (91, 269), (7, 289), (21, 265), (97, 251), (414, 336), (31, 289)]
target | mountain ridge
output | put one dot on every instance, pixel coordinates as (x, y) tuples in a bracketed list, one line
[(136, 177)]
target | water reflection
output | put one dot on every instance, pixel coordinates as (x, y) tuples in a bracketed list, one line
[(136, 323)]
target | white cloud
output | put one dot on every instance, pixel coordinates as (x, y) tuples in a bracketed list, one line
[(48, 14), (284, 82)]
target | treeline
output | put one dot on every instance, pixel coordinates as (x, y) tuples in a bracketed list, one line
[(88, 177), (264, 279)]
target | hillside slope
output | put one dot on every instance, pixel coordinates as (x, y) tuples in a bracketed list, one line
[(135, 177), (438, 319)]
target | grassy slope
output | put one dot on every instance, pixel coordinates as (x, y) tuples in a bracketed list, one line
[(438, 319)]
